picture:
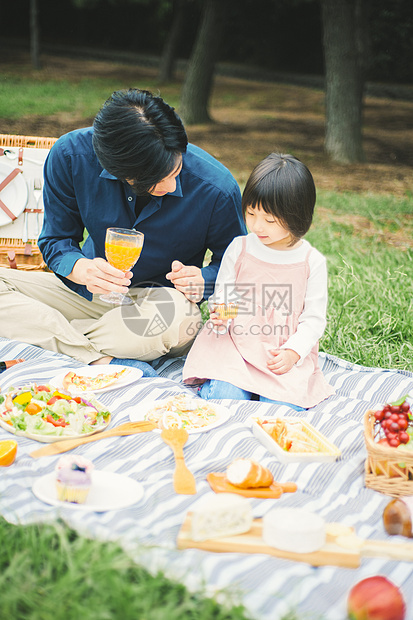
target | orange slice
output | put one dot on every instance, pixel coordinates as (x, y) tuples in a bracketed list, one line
[(8, 450)]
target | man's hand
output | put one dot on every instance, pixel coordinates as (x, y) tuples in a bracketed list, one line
[(187, 279), (99, 276), (282, 360)]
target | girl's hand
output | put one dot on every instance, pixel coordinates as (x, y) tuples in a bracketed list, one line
[(282, 361), (215, 317)]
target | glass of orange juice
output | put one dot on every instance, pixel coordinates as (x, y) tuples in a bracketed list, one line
[(225, 312), (123, 246)]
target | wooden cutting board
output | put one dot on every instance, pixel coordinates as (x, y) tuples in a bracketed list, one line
[(219, 484), (343, 548)]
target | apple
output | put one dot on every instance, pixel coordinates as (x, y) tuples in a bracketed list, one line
[(375, 598)]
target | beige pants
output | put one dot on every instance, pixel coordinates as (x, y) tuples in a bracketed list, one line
[(37, 308)]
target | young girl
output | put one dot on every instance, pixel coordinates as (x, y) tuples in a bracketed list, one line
[(278, 281)]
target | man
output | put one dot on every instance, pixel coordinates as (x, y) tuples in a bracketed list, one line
[(132, 169)]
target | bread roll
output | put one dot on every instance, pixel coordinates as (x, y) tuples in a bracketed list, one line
[(246, 474)]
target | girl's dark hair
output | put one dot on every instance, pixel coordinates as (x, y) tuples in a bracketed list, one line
[(282, 186), (139, 137)]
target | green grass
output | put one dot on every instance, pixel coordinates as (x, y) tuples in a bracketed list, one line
[(48, 572), (21, 96), (370, 312)]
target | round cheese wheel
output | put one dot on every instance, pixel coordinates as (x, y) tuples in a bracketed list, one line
[(294, 529)]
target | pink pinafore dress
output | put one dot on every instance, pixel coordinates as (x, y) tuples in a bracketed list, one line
[(271, 299)]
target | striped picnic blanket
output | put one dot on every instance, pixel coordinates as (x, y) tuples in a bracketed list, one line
[(267, 586)]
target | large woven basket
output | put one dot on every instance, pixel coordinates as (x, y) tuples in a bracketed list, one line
[(26, 141), (13, 252), (388, 470)]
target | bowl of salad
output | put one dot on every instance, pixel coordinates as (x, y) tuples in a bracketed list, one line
[(43, 413)]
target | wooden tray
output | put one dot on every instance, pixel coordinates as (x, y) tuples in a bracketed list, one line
[(219, 484), (343, 548)]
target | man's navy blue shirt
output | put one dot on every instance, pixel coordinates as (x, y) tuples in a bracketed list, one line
[(204, 212)]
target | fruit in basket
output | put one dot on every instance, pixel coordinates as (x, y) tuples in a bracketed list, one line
[(398, 517), (395, 420), (375, 598)]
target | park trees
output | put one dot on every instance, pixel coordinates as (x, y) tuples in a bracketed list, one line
[(169, 52), (345, 36), (199, 76)]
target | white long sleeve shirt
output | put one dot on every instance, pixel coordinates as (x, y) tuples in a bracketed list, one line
[(312, 320)]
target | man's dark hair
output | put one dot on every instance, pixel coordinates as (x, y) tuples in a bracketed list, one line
[(282, 186), (139, 137)]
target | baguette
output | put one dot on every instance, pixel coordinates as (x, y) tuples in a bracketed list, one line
[(247, 474)]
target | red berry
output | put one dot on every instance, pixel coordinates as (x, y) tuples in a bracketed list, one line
[(403, 424), (386, 408), (387, 414), (391, 435), (394, 426), (394, 409), (394, 442), (404, 437), (379, 415), (405, 406)]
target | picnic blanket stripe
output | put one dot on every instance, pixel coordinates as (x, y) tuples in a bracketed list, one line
[(148, 529)]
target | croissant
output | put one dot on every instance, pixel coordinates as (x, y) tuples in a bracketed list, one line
[(245, 474)]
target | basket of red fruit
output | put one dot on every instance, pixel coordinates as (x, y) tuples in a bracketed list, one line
[(388, 433)]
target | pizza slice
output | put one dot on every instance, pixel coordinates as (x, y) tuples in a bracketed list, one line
[(84, 383)]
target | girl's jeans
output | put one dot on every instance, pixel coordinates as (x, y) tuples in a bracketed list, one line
[(213, 388)]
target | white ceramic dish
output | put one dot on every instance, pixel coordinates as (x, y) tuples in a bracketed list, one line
[(14, 195), (109, 491), (53, 438), (133, 374), (328, 451), (142, 409)]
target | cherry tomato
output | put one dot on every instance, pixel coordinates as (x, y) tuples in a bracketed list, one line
[(42, 388), (54, 398), (59, 422)]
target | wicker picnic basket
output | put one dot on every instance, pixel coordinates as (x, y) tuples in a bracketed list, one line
[(388, 470), (15, 253)]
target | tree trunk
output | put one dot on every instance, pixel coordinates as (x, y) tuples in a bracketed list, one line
[(345, 36), (34, 35), (198, 81), (168, 58)]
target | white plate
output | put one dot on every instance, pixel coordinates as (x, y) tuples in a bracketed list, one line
[(14, 195), (52, 438), (92, 371), (109, 491), (329, 452), (49, 438), (142, 409)]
